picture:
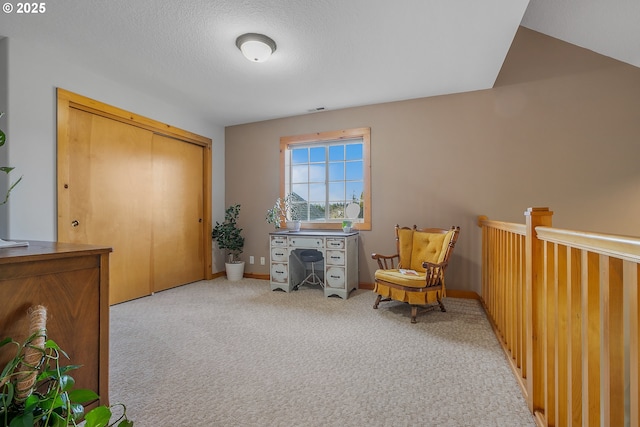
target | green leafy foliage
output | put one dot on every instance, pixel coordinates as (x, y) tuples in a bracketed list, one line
[(54, 401), (227, 233)]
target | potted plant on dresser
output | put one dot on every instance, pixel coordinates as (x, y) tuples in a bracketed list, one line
[(229, 237)]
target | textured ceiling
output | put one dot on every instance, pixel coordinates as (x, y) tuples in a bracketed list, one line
[(331, 53)]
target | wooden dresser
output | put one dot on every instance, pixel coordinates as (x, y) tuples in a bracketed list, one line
[(72, 282)]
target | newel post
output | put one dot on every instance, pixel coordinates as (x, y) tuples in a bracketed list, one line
[(535, 307)]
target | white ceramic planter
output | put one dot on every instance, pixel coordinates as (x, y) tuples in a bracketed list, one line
[(235, 271), (293, 225)]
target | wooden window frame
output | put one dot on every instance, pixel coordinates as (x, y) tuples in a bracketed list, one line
[(320, 137)]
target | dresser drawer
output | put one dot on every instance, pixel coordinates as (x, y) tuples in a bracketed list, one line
[(279, 254), (334, 258)]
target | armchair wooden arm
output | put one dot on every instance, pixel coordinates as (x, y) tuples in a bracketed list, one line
[(434, 273), (386, 262)]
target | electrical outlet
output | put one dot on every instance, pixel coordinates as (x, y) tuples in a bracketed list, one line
[(261, 260), (251, 259)]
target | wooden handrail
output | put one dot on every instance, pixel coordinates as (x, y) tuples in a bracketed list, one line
[(511, 227), (623, 247)]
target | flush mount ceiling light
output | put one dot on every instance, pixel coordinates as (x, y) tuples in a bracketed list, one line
[(256, 47)]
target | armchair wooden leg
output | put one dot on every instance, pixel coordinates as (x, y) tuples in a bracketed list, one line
[(441, 304), (375, 305), (414, 313)]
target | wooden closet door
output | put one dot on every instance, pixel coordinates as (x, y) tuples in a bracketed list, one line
[(110, 170), (178, 255)]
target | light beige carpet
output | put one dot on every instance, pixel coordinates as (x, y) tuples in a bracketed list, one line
[(220, 353)]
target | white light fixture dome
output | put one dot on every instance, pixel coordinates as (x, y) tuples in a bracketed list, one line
[(256, 47)]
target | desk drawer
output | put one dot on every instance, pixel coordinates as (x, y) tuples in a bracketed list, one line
[(279, 273), (279, 254), (335, 243), (335, 278), (306, 242), (335, 258), (279, 241)]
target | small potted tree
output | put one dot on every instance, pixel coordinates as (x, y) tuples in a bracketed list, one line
[(229, 237)]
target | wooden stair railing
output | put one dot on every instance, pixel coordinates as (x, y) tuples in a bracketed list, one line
[(564, 305)]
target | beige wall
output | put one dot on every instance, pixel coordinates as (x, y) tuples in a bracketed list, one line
[(560, 128)]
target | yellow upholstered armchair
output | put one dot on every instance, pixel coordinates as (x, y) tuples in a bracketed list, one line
[(415, 274)]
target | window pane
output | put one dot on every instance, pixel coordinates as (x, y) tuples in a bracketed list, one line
[(317, 173), (302, 190), (354, 170), (317, 192), (336, 191), (302, 208), (336, 210), (316, 211), (318, 154), (354, 151), (300, 155), (336, 152), (300, 173), (354, 191), (336, 171)]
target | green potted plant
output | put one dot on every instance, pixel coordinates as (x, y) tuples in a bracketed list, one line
[(229, 237), (285, 209), (6, 169), (36, 390)]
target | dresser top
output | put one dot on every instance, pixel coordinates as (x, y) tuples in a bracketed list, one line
[(48, 250), (314, 233)]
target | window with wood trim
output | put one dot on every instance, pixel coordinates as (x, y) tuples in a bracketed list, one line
[(328, 175)]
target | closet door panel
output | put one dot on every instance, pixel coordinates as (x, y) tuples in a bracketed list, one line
[(138, 186), (110, 169), (178, 255)]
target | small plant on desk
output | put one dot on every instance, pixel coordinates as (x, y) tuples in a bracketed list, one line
[(286, 209)]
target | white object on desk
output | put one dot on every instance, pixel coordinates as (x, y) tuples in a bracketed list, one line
[(340, 252)]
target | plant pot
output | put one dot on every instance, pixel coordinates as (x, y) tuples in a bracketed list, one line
[(235, 270), (293, 225)]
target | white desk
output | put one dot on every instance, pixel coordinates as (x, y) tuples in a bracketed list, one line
[(339, 269)]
